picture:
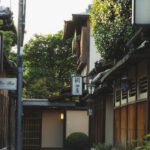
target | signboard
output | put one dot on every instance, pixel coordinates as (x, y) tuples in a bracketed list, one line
[(8, 83), (76, 85)]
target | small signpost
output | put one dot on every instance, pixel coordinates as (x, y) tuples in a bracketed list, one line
[(77, 85), (8, 83)]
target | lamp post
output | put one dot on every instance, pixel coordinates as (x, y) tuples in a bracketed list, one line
[(140, 12), (90, 87), (20, 37)]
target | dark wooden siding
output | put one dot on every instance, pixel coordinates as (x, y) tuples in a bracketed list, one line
[(141, 121), (123, 125), (97, 121), (7, 121), (3, 121), (131, 122), (117, 126)]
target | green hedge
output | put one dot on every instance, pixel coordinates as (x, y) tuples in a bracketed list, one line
[(77, 141)]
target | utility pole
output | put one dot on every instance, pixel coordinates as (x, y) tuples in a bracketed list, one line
[(20, 37)]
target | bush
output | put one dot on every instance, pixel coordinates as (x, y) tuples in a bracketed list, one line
[(100, 146), (77, 141)]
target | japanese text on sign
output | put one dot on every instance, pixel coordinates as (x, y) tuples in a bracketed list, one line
[(76, 85)]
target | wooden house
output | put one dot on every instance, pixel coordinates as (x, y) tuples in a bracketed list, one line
[(8, 98), (7, 109), (83, 46), (120, 103), (47, 122), (130, 81), (79, 30)]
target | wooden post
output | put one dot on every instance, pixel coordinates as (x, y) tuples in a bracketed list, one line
[(148, 97)]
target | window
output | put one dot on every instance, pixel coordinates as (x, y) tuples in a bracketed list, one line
[(132, 91), (143, 87), (117, 97), (124, 95)]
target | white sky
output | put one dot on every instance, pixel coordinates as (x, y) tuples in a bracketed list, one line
[(47, 16)]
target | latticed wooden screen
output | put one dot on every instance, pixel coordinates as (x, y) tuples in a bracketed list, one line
[(32, 131)]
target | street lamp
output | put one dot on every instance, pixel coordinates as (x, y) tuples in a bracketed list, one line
[(91, 88), (140, 12)]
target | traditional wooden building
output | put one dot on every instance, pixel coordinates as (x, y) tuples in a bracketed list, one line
[(83, 45), (101, 104), (84, 48), (130, 80), (47, 122), (8, 98), (7, 108)]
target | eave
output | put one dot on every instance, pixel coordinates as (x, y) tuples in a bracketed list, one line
[(134, 56), (78, 20)]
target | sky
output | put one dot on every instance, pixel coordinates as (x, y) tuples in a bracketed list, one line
[(46, 16)]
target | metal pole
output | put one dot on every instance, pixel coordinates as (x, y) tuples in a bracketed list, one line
[(21, 24)]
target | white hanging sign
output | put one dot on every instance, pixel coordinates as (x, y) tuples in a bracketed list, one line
[(76, 85), (8, 83)]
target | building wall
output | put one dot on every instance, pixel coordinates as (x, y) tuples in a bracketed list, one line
[(97, 120), (4, 101), (109, 121), (94, 55), (52, 129), (130, 107), (76, 121)]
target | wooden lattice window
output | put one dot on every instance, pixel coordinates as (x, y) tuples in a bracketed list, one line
[(118, 95), (132, 91), (124, 94), (143, 84), (32, 131)]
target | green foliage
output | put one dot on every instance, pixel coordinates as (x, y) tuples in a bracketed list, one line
[(146, 143), (111, 22), (100, 146), (13, 56), (77, 141), (143, 144), (48, 65), (9, 41)]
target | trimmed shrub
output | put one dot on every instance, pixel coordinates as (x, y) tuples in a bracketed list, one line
[(77, 141), (100, 146)]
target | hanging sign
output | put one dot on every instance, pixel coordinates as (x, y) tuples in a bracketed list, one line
[(8, 83), (76, 85)]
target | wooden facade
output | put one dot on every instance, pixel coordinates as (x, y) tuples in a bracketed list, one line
[(7, 119), (130, 97), (97, 121), (7, 97), (130, 105), (43, 129)]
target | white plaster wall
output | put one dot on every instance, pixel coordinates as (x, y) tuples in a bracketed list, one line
[(52, 129), (94, 55), (77, 121), (109, 121)]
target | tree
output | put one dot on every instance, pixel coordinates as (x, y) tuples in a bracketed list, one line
[(111, 22), (48, 65), (10, 39)]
